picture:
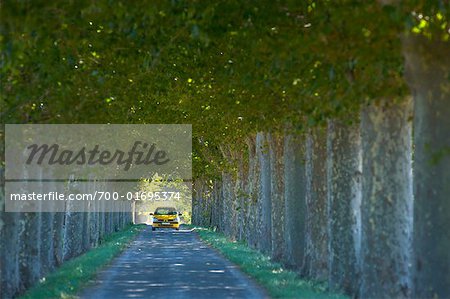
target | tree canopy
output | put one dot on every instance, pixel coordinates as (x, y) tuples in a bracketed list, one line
[(230, 67)]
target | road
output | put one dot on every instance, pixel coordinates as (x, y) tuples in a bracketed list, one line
[(171, 264)]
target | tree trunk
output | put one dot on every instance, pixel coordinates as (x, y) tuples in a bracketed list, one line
[(241, 195), (277, 195), (46, 231), (386, 208), (58, 238), (215, 205), (30, 253), (195, 205), (102, 222), (30, 262), (47, 247), (344, 203), (265, 223), (73, 225), (11, 229), (220, 205), (252, 191), (295, 202), (94, 219), (228, 208), (86, 232), (428, 74), (316, 258)]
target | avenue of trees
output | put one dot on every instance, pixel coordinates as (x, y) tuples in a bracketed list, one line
[(35, 243), (321, 128)]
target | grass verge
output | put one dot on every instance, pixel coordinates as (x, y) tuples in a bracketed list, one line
[(73, 275), (279, 282)]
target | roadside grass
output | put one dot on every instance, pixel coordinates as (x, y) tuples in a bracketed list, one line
[(279, 282), (73, 275)]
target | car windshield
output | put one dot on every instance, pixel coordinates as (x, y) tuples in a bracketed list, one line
[(165, 211)]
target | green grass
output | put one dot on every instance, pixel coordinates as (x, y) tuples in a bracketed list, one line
[(279, 282), (74, 274)]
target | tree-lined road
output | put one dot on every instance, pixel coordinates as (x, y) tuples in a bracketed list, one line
[(171, 264)]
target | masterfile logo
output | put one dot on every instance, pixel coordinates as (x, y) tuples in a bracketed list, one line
[(120, 152), (140, 154)]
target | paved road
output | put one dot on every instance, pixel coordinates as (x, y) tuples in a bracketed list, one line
[(170, 264)]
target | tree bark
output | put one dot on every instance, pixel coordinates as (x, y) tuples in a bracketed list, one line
[(73, 225), (277, 195), (215, 205), (344, 203), (86, 232), (30, 253), (316, 257), (11, 229), (386, 208), (428, 74), (46, 232), (242, 198), (30, 264), (295, 202), (195, 205), (252, 191), (47, 247), (228, 208), (265, 223), (58, 238)]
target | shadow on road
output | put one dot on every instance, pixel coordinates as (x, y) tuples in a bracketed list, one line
[(171, 264)]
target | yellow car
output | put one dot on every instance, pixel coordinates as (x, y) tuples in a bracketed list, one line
[(166, 217)]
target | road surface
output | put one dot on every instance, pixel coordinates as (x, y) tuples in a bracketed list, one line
[(171, 264)]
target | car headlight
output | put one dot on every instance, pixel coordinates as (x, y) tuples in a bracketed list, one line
[(155, 219)]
